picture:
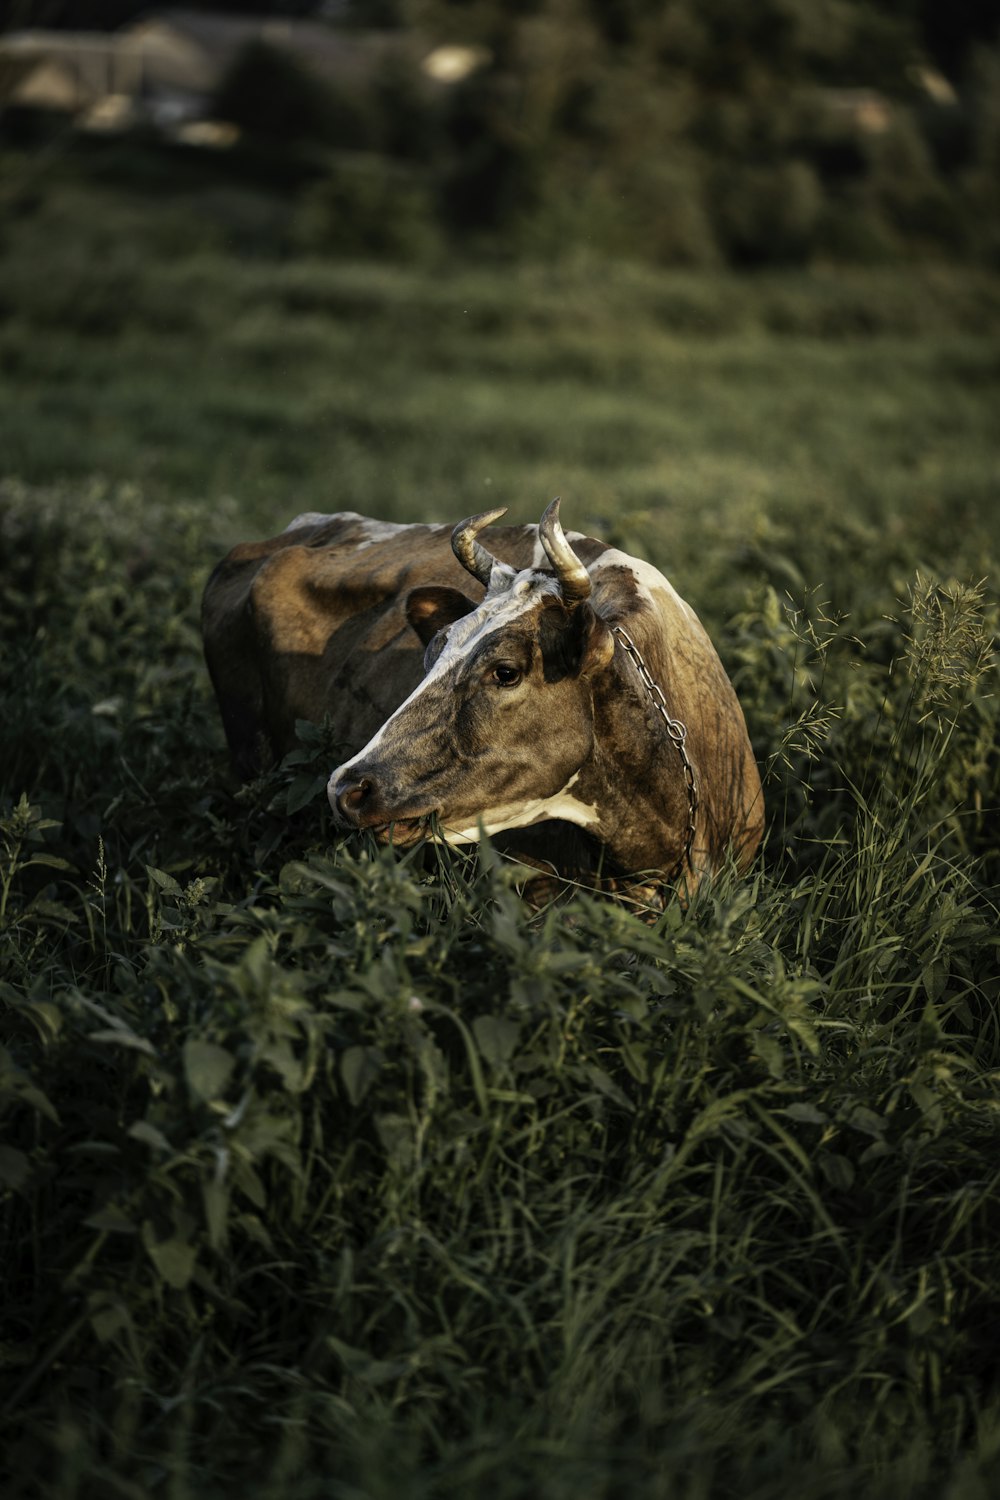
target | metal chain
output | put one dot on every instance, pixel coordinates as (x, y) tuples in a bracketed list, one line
[(678, 734)]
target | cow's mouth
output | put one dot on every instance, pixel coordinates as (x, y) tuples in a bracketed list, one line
[(402, 832)]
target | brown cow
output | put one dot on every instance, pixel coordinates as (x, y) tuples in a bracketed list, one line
[(571, 691)]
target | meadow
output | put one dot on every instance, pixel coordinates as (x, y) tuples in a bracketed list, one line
[(330, 1172)]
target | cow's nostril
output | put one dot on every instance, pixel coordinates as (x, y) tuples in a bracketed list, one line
[(351, 798)]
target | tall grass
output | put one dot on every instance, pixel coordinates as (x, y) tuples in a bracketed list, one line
[(699, 415), (329, 1171)]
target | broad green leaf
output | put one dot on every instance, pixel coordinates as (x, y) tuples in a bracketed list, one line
[(248, 1182), (345, 1000), (359, 1067), (838, 1171), (867, 1120), (396, 1134), (806, 1114), (20, 1085), (303, 790), (108, 1316), (143, 1131), (802, 1028), (255, 1230), (121, 1036), (607, 1086), (771, 1053), (929, 1104), (207, 1068), (284, 1062), (173, 1258), (935, 977), (922, 1319), (44, 1016), (50, 862), (111, 1219), (496, 1037)]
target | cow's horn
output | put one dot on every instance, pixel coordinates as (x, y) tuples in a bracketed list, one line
[(472, 554), (574, 580)]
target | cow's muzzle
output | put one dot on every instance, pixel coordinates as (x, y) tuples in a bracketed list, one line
[(351, 799), (357, 802)]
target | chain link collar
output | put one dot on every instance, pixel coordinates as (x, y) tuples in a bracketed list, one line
[(678, 734)]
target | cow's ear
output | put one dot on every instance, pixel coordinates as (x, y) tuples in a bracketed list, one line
[(431, 608), (575, 642), (598, 647)]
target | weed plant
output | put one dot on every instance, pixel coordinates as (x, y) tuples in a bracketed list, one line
[(333, 1172)]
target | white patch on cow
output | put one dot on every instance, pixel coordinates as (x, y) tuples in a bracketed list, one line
[(648, 579), (310, 518), (495, 613), (523, 814), (540, 558), (502, 575), (371, 531), (379, 531)]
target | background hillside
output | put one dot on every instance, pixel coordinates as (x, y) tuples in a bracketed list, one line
[(681, 132)]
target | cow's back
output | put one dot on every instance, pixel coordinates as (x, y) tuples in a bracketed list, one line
[(311, 624)]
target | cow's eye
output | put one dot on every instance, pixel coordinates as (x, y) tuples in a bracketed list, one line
[(506, 676)]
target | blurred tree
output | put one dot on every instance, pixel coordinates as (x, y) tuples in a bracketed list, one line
[(79, 15), (290, 8), (768, 214), (489, 172), (406, 116), (979, 195), (953, 30), (108, 15), (270, 95), (906, 188), (367, 206), (683, 128)]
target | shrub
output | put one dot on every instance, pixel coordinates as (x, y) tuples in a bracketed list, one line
[(653, 211), (768, 213), (907, 190), (367, 206)]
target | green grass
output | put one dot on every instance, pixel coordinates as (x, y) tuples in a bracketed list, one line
[(330, 1173), (135, 345)]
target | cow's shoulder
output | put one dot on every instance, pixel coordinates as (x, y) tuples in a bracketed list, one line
[(674, 644), (685, 665), (629, 589)]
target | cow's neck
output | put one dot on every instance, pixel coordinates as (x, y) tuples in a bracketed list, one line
[(635, 775)]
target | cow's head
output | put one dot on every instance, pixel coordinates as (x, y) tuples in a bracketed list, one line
[(502, 722)]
